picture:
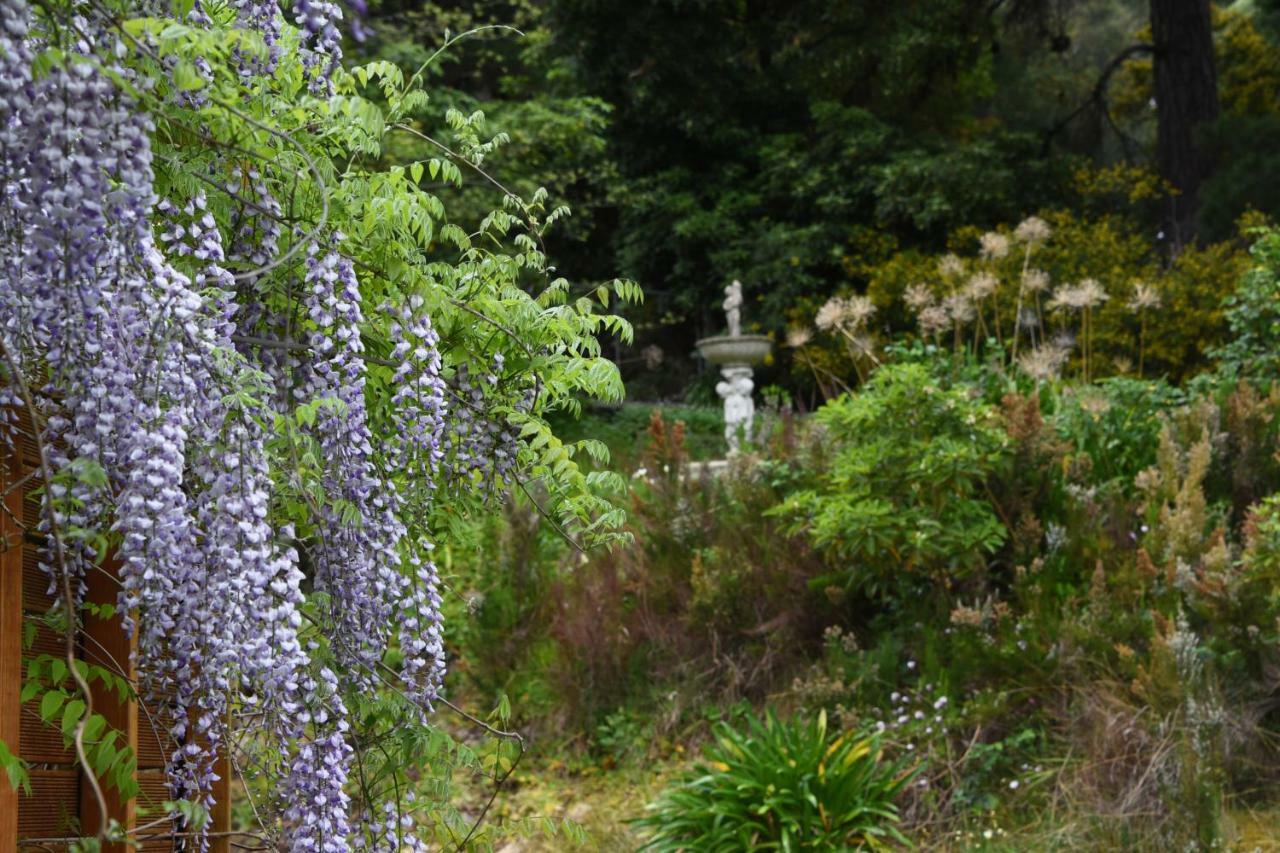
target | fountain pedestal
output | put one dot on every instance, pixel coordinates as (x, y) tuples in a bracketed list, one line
[(734, 354), (739, 408)]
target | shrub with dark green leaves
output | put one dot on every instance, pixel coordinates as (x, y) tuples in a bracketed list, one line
[(779, 785), (905, 495)]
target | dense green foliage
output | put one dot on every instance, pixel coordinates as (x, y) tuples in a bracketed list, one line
[(902, 498), (801, 145), (1081, 652), (1004, 556), (1253, 316)]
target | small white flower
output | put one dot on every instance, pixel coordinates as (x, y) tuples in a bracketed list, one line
[(1013, 786)]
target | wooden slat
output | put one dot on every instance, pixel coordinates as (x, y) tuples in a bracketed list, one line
[(24, 440), (36, 597), (153, 789), (52, 810), (155, 744), (10, 646), (31, 511), (107, 645), (220, 813), (42, 742), (46, 642)]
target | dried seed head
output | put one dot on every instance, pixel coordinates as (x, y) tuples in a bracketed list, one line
[(1144, 297), (1035, 281), (950, 266), (980, 286), (994, 246), (918, 297), (1033, 231), (799, 336)]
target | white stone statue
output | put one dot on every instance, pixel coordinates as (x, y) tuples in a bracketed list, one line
[(733, 308), (739, 408)]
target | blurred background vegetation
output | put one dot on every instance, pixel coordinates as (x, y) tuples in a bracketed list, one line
[(1024, 563), (810, 147)]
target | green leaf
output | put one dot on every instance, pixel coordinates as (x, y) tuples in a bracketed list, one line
[(50, 704), (71, 716)]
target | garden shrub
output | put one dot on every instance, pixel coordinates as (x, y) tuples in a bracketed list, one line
[(1142, 315), (905, 496), (781, 785), (1253, 316)]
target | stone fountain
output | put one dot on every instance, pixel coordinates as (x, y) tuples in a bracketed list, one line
[(734, 354)]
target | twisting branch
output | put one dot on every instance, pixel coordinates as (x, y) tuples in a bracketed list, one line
[(1098, 98)]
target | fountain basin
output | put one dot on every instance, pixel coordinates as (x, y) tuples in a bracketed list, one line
[(743, 349)]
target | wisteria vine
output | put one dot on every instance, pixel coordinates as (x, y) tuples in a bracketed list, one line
[(163, 342)]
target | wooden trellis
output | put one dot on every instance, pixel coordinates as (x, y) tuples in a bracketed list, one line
[(61, 803)]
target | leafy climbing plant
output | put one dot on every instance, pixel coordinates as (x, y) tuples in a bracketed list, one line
[(267, 371)]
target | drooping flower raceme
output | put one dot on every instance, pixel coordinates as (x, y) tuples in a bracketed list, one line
[(358, 558), (120, 313)]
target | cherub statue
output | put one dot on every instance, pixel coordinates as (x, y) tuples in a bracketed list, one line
[(739, 408), (733, 308)]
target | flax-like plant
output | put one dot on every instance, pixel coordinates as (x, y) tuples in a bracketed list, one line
[(781, 785)]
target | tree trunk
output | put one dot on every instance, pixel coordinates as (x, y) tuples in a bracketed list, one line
[(1186, 97)]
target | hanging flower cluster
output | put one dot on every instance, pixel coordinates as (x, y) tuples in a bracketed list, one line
[(358, 564), (479, 448), (122, 314)]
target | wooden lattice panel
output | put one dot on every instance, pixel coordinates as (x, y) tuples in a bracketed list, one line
[(155, 744), (36, 597), (53, 809), (61, 803)]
